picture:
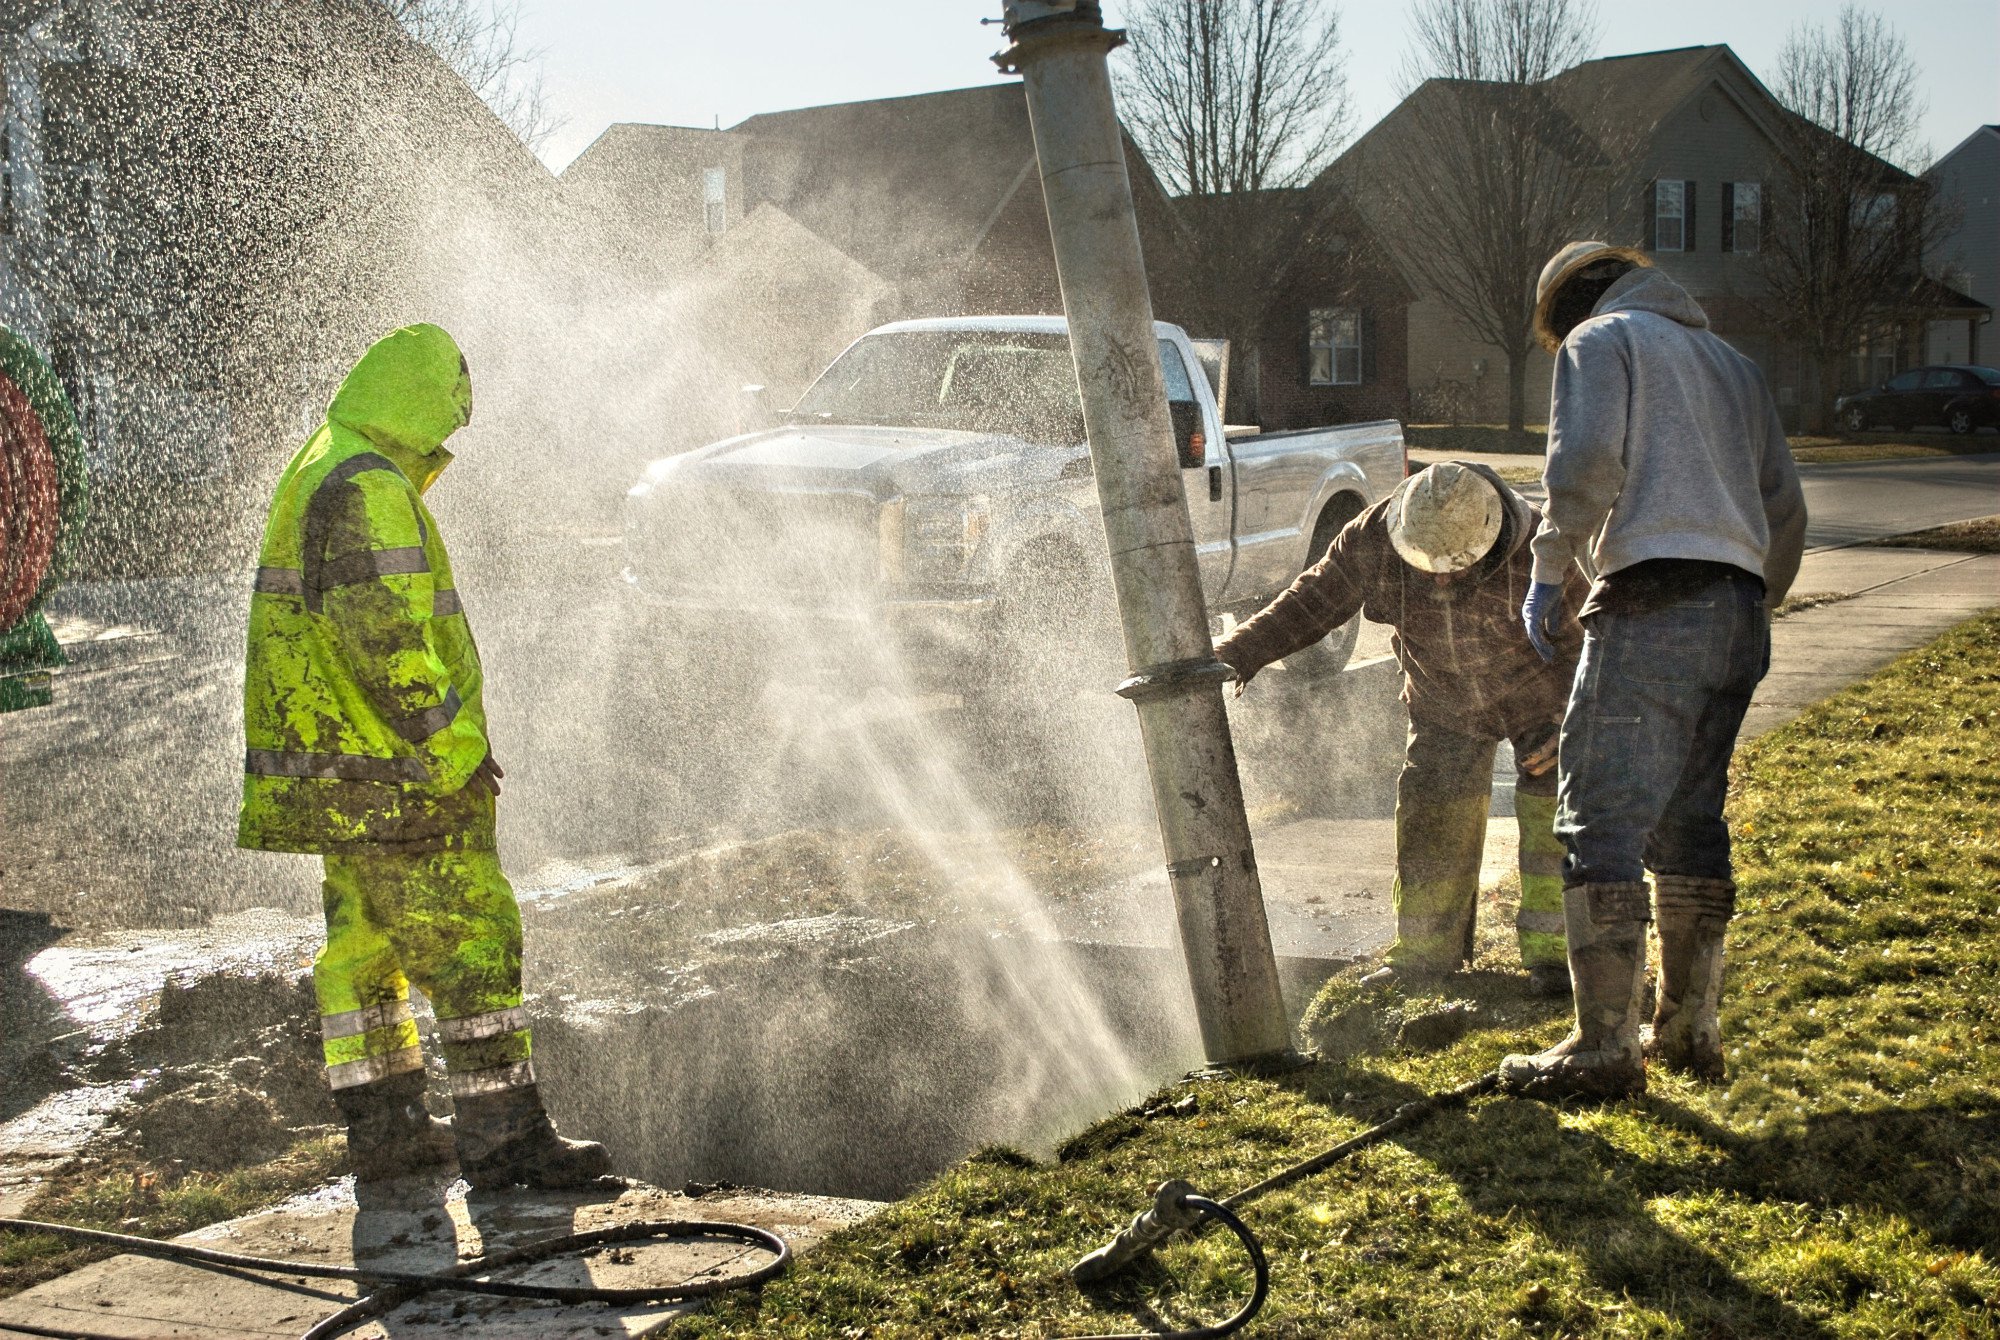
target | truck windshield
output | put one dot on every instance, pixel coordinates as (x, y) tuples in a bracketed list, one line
[(1019, 384)]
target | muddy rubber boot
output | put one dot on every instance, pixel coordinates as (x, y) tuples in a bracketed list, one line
[(389, 1132), (1687, 1024), (506, 1139), (1601, 1058)]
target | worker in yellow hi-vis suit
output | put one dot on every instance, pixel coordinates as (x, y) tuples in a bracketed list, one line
[(367, 741)]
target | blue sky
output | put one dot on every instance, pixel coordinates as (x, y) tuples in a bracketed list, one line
[(688, 62)]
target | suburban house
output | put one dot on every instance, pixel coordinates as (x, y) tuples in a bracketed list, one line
[(1326, 321), (1689, 141), (828, 220), (932, 206), (1967, 257)]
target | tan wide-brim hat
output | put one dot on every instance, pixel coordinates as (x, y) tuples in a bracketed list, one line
[(1572, 258), (1444, 518)]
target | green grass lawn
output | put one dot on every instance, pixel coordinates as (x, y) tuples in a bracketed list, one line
[(1844, 1181), (1978, 536), (125, 1194)]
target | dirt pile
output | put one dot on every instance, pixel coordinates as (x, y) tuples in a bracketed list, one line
[(227, 1068)]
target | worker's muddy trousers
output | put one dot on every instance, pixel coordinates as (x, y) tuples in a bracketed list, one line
[(1442, 800), (445, 922)]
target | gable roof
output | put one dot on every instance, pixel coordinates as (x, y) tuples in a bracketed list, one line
[(1645, 88), (897, 183), (1982, 134)]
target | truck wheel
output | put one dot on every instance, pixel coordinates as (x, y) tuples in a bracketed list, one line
[(1328, 656)]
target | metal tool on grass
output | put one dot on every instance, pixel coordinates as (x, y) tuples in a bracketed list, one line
[(1177, 1207)]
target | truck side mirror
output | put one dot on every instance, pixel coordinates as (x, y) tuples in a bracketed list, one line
[(1189, 441)]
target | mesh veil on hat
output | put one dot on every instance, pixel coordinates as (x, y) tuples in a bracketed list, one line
[(1445, 518)]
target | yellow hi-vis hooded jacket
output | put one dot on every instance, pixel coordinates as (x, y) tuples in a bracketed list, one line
[(361, 701)]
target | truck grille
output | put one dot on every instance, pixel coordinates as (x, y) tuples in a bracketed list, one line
[(744, 544)]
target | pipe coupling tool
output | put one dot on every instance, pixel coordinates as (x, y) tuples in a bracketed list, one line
[(1170, 1213)]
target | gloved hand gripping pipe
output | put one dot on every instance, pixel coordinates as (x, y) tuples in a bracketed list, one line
[(1176, 1207), (391, 1288)]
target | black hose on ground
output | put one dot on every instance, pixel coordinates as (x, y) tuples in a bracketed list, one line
[(1205, 1210), (389, 1289), (1177, 1208)]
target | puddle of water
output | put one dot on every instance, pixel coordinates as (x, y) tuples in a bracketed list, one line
[(106, 983), (58, 1125)]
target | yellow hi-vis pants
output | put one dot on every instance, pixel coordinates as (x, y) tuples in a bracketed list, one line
[(445, 921), (1442, 800)]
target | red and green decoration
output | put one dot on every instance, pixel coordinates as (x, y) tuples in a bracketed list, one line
[(44, 501)]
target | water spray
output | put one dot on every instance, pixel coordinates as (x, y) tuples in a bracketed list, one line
[(1061, 49)]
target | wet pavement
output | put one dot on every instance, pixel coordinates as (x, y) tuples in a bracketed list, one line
[(139, 1298)]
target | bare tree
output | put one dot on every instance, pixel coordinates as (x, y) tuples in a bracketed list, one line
[(480, 40), (1486, 170), (1845, 232), (1232, 101)]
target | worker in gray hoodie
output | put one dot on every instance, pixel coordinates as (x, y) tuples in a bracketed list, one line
[(1671, 485)]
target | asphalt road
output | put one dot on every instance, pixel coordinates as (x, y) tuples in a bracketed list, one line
[(1852, 503)]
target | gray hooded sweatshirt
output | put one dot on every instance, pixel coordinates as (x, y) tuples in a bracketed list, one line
[(1665, 443)]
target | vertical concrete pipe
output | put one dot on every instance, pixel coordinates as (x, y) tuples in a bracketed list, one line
[(1061, 50)]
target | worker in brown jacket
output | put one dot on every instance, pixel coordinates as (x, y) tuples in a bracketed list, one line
[(1445, 561)]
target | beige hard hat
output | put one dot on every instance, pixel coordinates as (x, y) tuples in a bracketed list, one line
[(1572, 258), (1445, 518)]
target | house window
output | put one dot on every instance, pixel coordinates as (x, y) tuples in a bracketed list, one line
[(715, 198), (1333, 345), (1875, 212), (1670, 216), (1742, 215)]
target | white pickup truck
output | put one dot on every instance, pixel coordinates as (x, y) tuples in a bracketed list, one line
[(933, 489)]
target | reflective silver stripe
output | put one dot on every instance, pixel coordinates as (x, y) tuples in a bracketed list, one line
[(370, 564), (1539, 923), (333, 767), (353, 1023), (280, 582), (1541, 863), (497, 1079), (445, 603), (420, 726), (474, 1027), (368, 1069)]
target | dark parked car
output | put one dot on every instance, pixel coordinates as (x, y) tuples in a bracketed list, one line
[(1963, 399)]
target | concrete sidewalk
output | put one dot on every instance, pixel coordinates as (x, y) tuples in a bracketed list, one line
[(139, 1298), (1895, 600), (1326, 881)]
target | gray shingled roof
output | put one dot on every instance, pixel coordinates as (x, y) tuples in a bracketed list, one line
[(898, 183)]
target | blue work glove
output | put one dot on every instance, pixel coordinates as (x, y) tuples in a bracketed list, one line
[(1541, 611)]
